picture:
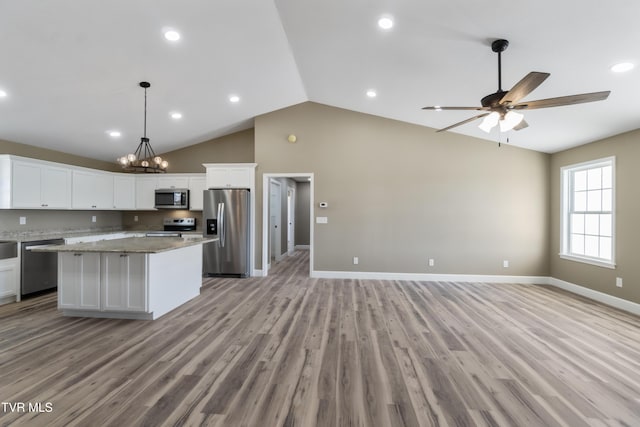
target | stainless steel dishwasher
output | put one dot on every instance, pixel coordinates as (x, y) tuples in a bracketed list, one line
[(38, 270)]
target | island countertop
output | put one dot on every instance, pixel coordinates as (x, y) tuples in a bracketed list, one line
[(144, 245)]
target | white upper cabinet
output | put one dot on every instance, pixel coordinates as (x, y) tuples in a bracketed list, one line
[(37, 184), (124, 192), (146, 192), (197, 185), (230, 175), (40, 186), (173, 181), (92, 190)]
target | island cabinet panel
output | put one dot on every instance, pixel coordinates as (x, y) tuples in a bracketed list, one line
[(79, 281), (124, 282), (40, 186)]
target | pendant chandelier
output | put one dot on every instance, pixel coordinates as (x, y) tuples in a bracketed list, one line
[(144, 159)]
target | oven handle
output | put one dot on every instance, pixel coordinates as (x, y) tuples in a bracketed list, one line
[(221, 224)]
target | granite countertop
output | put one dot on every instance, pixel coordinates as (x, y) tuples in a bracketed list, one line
[(144, 245), (30, 236)]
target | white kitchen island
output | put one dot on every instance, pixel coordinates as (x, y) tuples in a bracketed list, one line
[(130, 278)]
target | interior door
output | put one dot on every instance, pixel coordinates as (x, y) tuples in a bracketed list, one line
[(274, 219), (291, 218)]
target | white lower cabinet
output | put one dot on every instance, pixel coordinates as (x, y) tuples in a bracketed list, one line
[(79, 280), (8, 278), (124, 282), (102, 281)]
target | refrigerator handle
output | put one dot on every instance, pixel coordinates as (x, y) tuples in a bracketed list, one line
[(221, 224)]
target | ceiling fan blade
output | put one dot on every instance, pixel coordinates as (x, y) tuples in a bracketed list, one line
[(454, 108), (563, 100), (463, 122), (523, 124), (524, 87)]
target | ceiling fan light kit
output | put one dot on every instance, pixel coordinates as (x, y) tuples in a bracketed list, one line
[(498, 107)]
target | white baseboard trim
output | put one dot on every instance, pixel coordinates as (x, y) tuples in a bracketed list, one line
[(7, 299), (302, 247), (257, 273), (427, 277), (611, 300)]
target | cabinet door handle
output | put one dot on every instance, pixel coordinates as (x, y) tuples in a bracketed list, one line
[(123, 255), (77, 254)]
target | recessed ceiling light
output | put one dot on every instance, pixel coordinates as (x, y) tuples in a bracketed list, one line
[(114, 133), (622, 67), (371, 93), (386, 23), (176, 115), (438, 108), (3, 94), (234, 98), (172, 35)]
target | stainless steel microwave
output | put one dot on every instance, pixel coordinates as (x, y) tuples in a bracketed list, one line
[(172, 198)]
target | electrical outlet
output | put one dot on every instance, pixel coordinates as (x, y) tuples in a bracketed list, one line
[(432, 262), (619, 282), (23, 220), (135, 218), (505, 263), (322, 220), (355, 260), (93, 218)]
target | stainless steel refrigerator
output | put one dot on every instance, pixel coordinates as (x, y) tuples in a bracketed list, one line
[(225, 215)]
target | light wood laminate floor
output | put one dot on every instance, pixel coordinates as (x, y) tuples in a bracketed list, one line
[(294, 351)]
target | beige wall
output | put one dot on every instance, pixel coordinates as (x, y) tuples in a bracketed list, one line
[(627, 151), (234, 148), (399, 194), (7, 147)]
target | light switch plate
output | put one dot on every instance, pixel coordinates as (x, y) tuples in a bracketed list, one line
[(322, 220)]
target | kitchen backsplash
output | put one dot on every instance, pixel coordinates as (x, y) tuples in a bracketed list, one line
[(152, 220), (27, 221)]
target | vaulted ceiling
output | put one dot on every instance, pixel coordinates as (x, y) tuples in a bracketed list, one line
[(71, 68)]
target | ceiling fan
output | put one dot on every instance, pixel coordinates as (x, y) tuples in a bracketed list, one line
[(501, 107)]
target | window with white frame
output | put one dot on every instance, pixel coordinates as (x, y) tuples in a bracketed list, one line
[(588, 215)]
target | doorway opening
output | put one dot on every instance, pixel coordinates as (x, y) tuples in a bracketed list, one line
[(287, 217)]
